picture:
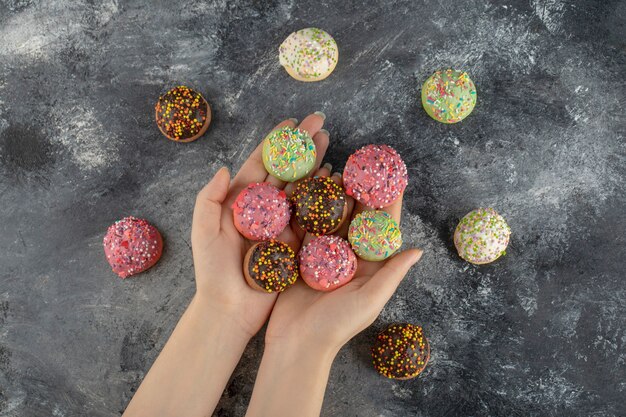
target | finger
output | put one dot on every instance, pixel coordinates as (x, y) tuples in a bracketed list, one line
[(313, 123), (321, 140), (381, 286), (395, 209), (208, 210), (324, 171), (253, 169), (343, 229)]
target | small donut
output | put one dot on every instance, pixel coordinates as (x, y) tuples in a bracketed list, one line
[(289, 154), (182, 114), (132, 245), (309, 54), (374, 235), (401, 351), (319, 205), (270, 266), (375, 175), (261, 211), (327, 263), (449, 96), (482, 236)]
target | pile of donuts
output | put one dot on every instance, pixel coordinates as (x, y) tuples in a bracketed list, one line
[(374, 175)]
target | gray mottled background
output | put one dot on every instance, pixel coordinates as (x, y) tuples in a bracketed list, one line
[(538, 333)]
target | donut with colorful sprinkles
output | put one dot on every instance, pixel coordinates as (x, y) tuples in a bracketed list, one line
[(261, 211), (182, 114), (401, 351), (289, 153), (374, 235), (132, 245), (320, 205), (482, 236), (375, 175), (270, 266), (449, 96), (309, 54), (327, 262)]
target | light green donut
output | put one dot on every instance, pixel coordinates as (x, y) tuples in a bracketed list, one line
[(289, 154), (449, 96), (374, 235)]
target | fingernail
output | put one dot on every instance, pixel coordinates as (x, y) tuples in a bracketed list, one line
[(294, 120), (320, 114), (418, 255), (336, 174), (324, 131), (328, 166)]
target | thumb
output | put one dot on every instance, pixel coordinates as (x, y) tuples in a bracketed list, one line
[(208, 208), (384, 283), (215, 191)]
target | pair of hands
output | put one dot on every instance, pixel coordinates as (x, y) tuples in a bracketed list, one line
[(323, 320)]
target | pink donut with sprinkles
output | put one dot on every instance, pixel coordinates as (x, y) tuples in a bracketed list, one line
[(327, 263), (261, 211), (375, 175), (132, 245)]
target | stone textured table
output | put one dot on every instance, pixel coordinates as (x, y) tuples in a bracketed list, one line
[(538, 333)]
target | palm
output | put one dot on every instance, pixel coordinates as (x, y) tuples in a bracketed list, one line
[(307, 314)]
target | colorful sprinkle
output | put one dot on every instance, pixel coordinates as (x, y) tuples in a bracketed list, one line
[(327, 263), (482, 236), (449, 96), (375, 175), (319, 205), (309, 54), (181, 113), (289, 154), (273, 266), (374, 235), (401, 351), (261, 211), (132, 245)]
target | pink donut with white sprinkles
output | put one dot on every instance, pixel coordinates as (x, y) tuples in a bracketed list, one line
[(327, 263), (131, 246), (261, 211), (375, 175)]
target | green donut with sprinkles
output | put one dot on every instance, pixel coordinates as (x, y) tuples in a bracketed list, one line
[(449, 96), (374, 235), (289, 154), (482, 236)]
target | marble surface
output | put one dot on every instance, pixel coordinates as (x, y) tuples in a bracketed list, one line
[(538, 333)]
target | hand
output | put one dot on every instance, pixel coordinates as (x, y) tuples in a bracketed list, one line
[(219, 249), (327, 320)]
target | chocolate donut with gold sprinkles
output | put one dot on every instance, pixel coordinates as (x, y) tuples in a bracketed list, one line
[(401, 351), (319, 205), (182, 114), (270, 266)]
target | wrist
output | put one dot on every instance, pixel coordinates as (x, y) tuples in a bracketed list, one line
[(299, 372), (221, 321), (299, 353)]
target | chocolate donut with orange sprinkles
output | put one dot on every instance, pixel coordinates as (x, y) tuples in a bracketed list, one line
[(320, 205), (401, 351), (182, 114), (270, 266)]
